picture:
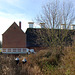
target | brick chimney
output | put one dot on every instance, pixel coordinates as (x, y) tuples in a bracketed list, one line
[(20, 24)]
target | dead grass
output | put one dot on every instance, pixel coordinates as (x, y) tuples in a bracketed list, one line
[(54, 61)]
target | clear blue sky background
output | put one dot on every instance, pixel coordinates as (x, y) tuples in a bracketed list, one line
[(19, 10)]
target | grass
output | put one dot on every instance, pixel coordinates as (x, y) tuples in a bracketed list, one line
[(0, 51)]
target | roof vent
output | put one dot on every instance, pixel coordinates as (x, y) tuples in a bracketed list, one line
[(31, 24), (63, 26), (42, 25), (72, 27)]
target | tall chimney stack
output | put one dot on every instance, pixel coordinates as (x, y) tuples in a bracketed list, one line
[(20, 24)]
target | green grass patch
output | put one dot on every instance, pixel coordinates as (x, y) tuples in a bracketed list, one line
[(0, 50)]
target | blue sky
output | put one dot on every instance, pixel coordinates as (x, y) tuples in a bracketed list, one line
[(19, 10)]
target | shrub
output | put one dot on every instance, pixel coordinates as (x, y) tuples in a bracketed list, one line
[(54, 61)]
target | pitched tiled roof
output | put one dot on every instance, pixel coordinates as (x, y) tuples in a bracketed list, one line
[(13, 25), (33, 40)]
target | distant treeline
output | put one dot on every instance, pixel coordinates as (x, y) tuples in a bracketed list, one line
[(0, 44)]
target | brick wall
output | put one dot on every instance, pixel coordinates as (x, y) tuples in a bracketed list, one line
[(14, 37)]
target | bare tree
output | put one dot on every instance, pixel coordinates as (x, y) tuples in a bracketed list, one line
[(68, 14), (53, 15)]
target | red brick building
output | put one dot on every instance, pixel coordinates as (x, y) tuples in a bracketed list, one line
[(14, 37)]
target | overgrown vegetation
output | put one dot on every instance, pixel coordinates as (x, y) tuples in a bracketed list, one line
[(54, 61)]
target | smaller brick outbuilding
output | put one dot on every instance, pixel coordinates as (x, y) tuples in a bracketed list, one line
[(14, 37)]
